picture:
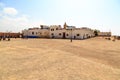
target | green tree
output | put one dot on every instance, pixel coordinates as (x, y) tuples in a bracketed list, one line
[(96, 32)]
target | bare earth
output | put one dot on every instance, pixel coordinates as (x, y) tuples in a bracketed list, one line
[(58, 59)]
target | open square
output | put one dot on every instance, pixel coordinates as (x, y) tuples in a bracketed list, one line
[(59, 59)]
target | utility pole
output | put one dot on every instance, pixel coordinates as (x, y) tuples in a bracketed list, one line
[(71, 29), (71, 35)]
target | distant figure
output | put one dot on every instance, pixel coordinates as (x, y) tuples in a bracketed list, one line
[(52, 36), (8, 38), (113, 39), (74, 37), (15, 37), (0, 38), (4, 38), (109, 38)]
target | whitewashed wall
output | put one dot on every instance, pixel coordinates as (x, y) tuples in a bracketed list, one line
[(37, 32), (75, 33), (56, 31), (44, 33), (29, 32)]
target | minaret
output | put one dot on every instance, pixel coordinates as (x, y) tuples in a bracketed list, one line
[(65, 25)]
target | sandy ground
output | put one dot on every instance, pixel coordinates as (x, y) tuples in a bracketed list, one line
[(57, 59)]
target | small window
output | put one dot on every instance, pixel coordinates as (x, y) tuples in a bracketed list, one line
[(33, 33), (78, 34), (52, 34), (52, 29), (36, 32), (56, 28), (67, 35), (59, 33)]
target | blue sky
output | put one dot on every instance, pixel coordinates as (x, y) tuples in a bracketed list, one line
[(16, 15)]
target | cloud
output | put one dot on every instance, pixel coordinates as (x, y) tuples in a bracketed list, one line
[(13, 21), (14, 24), (18, 23), (10, 11)]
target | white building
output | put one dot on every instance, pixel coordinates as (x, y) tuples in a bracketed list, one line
[(42, 32), (56, 31), (104, 34)]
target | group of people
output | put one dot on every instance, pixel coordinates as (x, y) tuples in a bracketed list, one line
[(109, 38), (5, 38)]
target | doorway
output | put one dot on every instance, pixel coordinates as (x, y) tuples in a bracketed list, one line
[(64, 35)]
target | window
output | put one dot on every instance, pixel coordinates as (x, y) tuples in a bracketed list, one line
[(67, 35), (59, 33), (52, 34), (33, 33), (78, 34), (52, 29), (36, 32), (56, 28)]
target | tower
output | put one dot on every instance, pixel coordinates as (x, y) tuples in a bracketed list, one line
[(65, 25)]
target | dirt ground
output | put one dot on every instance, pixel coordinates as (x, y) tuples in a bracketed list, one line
[(59, 59)]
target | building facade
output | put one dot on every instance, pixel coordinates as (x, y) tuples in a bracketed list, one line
[(104, 34), (9, 34), (42, 32), (56, 31)]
